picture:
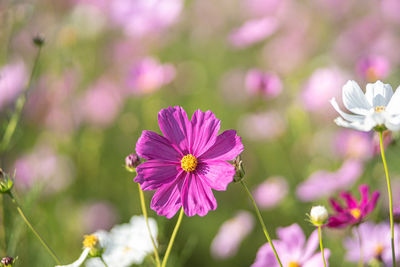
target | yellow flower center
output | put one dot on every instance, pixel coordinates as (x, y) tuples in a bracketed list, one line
[(90, 241), (356, 213), (378, 250), (379, 109), (293, 264), (189, 163)]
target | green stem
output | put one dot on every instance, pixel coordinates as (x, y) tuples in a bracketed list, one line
[(3, 227), (390, 196), (103, 261), (12, 124), (321, 245), (171, 241), (144, 211), (261, 222), (51, 252)]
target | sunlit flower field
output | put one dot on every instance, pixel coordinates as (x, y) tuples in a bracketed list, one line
[(199, 133)]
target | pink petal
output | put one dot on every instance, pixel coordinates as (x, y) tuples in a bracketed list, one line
[(335, 205), (317, 261), (351, 201), (293, 236), (371, 205), (167, 200), (311, 246), (205, 127), (197, 197), (154, 146), (217, 174), (153, 174), (364, 192), (175, 126), (226, 147)]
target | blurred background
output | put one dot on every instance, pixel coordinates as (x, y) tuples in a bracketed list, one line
[(266, 68)]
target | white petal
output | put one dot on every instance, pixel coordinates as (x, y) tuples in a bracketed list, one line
[(354, 99), (79, 261), (393, 107), (346, 116), (393, 123), (379, 94), (364, 126)]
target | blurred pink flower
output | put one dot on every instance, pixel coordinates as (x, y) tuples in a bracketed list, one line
[(149, 75), (261, 83), (13, 78), (253, 31), (293, 249), (100, 104), (354, 144), (391, 9), (323, 183), (263, 7), (271, 192), (231, 233), (375, 243), (141, 17), (43, 167), (323, 84), (373, 68), (262, 126), (98, 216)]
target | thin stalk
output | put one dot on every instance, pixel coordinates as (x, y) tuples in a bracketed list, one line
[(390, 196), (144, 211), (171, 241), (361, 261), (12, 124), (3, 227), (103, 261), (321, 245), (49, 250), (261, 221)]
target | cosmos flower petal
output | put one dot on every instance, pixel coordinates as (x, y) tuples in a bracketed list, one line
[(316, 260), (335, 205), (393, 107), (346, 116), (354, 99), (153, 174), (372, 203), (197, 197), (393, 122), (226, 147), (175, 126), (378, 94), (311, 246), (80, 260), (292, 235), (167, 199), (350, 200), (205, 127), (154, 146), (364, 192), (364, 126), (216, 174)]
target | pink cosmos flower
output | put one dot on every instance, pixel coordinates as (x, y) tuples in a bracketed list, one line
[(355, 211), (373, 68), (13, 78), (263, 83), (323, 183), (99, 215), (262, 126), (271, 192), (253, 31), (187, 162), (292, 250), (375, 243), (149, 75), (230, 235), (353, 144)]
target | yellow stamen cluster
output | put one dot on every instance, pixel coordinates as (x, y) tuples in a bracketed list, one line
[(90, 241), (378, 250), (356, 213), (189, 163), (379, 108), (293, 264)]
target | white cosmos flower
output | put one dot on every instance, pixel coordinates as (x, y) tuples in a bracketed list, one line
[(378, 107)]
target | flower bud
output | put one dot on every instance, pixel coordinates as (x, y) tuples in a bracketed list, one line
[(238, 164), (318, 215), (131, 162), (38, 40), (7, 262), (6, 182)]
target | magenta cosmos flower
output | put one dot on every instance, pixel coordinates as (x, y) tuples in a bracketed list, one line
[(355, 211), (187, 163)]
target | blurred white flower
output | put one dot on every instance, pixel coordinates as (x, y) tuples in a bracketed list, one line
[(378, 107), (318, 215)]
